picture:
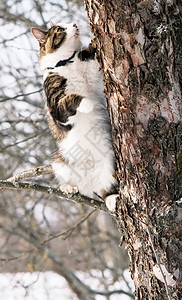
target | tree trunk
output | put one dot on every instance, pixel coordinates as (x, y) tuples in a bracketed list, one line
[(138, 46)]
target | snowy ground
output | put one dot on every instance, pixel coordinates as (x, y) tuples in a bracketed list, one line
[(44, 286)]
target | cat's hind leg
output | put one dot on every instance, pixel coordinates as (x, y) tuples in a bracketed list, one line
[(68, 189), (111, 201), (63, 175)]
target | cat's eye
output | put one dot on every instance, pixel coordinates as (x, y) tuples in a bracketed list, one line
[(60, 29)]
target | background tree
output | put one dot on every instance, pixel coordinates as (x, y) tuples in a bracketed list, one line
[(39, 231), (139, 48)]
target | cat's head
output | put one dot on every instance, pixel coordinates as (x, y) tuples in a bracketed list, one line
[(59, 42)]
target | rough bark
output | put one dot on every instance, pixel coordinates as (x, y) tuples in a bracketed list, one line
[(138, 47)]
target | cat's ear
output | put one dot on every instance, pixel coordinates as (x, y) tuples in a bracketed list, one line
[(39, 34), (51, 24)]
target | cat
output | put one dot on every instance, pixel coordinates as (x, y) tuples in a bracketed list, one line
[(77, 113)]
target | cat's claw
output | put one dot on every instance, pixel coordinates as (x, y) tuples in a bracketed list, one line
[(85, 106), (68, 189)]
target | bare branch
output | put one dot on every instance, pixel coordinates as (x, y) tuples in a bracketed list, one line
[(78, 198), (22, 141), (20, 95), (41, 170), (77, 285), (109, 293), (13, 183)]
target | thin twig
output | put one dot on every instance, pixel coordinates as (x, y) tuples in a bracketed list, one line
[(13, 38), (70, 230), (109, 293), (20, 95), (22, 141)]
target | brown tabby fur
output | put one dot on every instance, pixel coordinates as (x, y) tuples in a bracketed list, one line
[(55, 37), (60, 106)]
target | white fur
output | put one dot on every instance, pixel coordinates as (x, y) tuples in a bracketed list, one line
[(88, 145), (71, 44), (111, 202), (85, 106)]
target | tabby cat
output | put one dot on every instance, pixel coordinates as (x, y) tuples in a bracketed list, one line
[(77, 113)]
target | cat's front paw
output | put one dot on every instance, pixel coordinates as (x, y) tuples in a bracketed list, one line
[(68, 189), (85, 106)]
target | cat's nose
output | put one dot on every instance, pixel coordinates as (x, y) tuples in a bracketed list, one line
[(74, 25)]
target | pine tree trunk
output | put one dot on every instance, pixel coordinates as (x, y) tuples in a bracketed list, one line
[(139, 47)]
